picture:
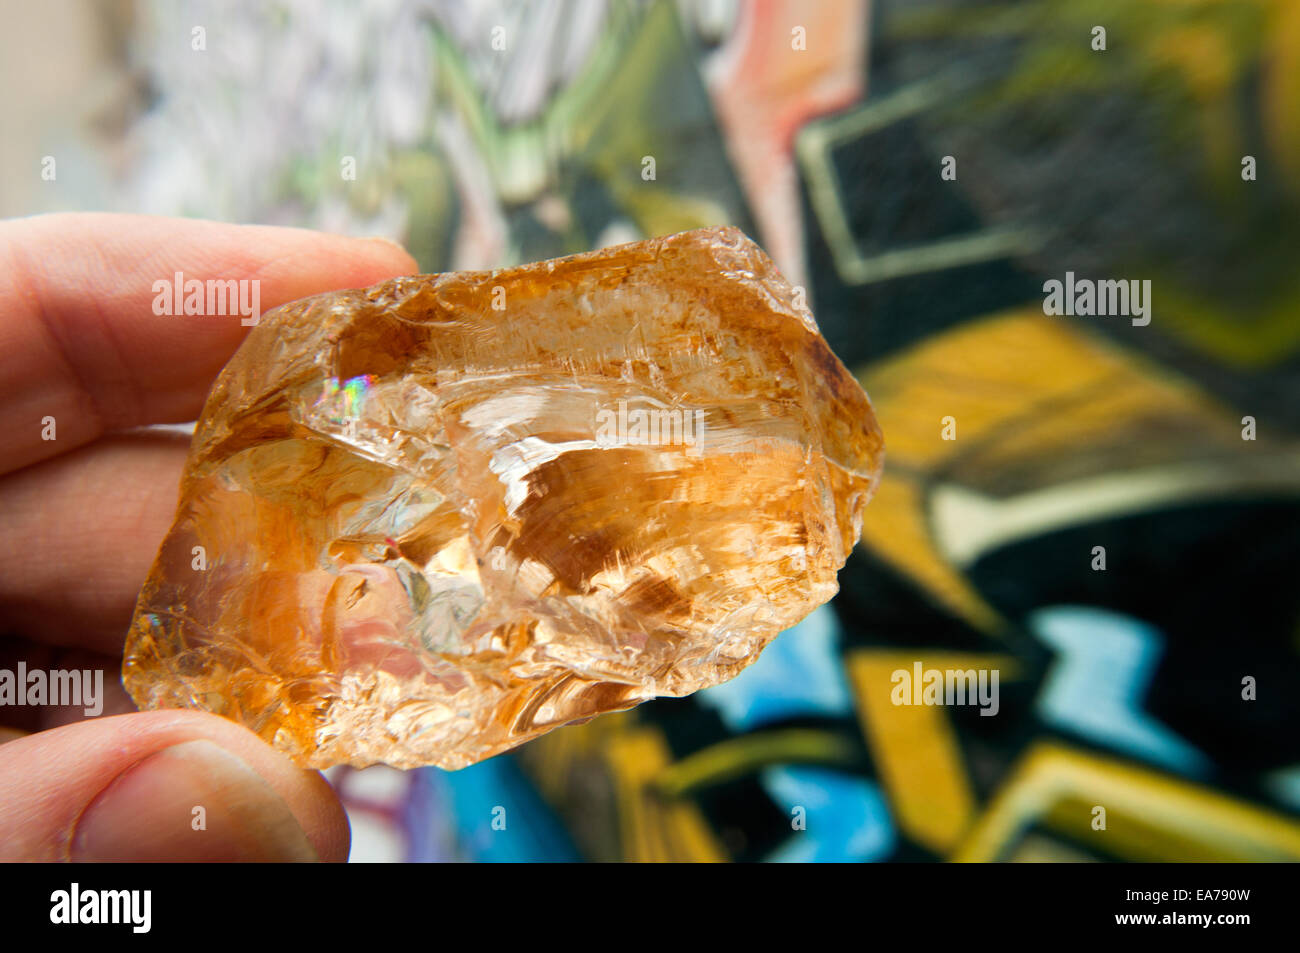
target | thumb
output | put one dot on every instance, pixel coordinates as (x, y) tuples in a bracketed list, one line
[(162, 786)]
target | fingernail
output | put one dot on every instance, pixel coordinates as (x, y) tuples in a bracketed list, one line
[(193, 801)]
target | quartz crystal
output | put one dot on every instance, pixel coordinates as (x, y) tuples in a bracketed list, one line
[(423, 522)]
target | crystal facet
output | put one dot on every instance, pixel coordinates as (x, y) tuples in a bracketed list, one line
[(423, 522)]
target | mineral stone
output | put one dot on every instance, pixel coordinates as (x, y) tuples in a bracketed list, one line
[(423, 522)]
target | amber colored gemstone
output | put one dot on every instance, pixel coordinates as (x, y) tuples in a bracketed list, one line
[(424, 522)]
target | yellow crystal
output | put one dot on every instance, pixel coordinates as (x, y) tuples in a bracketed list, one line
[(424, 522)]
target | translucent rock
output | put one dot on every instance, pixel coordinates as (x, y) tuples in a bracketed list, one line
[(424, 522)]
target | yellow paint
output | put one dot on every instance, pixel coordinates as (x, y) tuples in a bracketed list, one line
[(1037, 402), (1149, 816), (914, 746), (654, 828), (896, 529)]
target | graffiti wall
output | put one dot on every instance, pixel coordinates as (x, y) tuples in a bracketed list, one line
[(1057, 244)]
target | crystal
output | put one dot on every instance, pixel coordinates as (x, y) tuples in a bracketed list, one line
[(424, 522)]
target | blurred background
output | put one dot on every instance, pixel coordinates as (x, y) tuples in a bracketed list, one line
[(490, 133)]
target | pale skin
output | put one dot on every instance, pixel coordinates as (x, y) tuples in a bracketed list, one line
[(81, 518)]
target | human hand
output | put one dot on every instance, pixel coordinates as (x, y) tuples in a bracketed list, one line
[(81, 518)]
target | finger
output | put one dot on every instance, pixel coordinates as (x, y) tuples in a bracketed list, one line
[(79, 534), (80, 342), (162, 786)]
